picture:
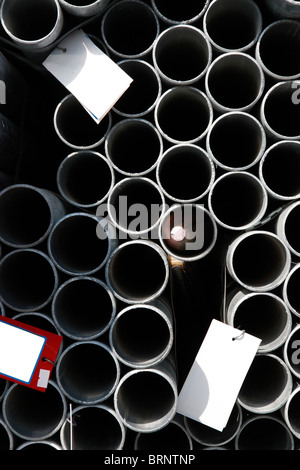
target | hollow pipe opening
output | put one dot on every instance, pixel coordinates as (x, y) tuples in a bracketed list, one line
[(84, 8), (42, 446), (38, 320), (291, 412), (186, 12), (287, 227), (172, 436), (291, 291), (6, 437)]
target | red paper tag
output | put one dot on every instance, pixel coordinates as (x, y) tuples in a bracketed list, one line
[(27, 353)]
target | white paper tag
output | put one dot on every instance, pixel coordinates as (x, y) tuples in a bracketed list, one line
[(213, 383), (90, 75)]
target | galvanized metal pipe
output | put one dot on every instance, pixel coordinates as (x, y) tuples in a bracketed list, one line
[(284, 8), (40, 446), (84, 8), (188, 12), (287, 227), (290, 290), (291, 351), (7, 439), (291, 412)]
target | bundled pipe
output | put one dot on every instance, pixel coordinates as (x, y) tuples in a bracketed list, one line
[(76, 128), (287, 227), (6, 437), (171, 13), (32, 415), (85, 179), (234, 82), (129, 29), (279, 170), (133, 147), (185, 173), (290, 290), (79, 245), (28, 280), (144, 92), (142, 335), (267, 386), (83, 308), (291, 351), (129, 271), (290, 412), (232, 26), (258, 260), (87, 372), (39, 320), (40, 446), (188, 232), (226, 137), (84, 8), (208, 436), (284, 8), (262, 314), (146, 399), (183, 114), (181, 55), (32, 24), (95, 427), (27, 215), (266, 432), (237, 200)]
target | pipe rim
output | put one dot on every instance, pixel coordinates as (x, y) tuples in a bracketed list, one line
[(284, 290), (93, 8), (173, 422), (192, 20), (286, 412), (285, 352), (280, 226)]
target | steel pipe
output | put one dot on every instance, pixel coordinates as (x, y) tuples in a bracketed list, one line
[(32, 415), (258, 260), (27, 215), (75, 246), (279, 170), (83, 308), (85, 179), (129, 271), (93, 428), (76, 128), (181, 54), (226, 137), (232, 26), (40, 446), (266, 432), (133, 147), (146, 399), (188, 232), (237, 200), (290, 290), (136, 103), (291, 351), (262, 314), (129, 29), (142, 335), (188, 12), (287, 227), (284, 8), (208, 436), (28, 280), (87, 372), (267, 386), (234, 82), (291, 412), (39, 320), (32, 24), (185, 173), (183, 114), (7, 438), (279, 111), (84, 8), (277, 50)]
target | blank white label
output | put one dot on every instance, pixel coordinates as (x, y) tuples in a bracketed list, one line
[(20, 351)]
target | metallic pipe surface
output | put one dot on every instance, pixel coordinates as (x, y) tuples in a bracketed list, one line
[(83, 308), (129, 29), (291, 412), (85, 179), (207, 436), (232, 25), (187, 12), (146, 399), (129, 271), (287, 227), (142, 335), (28, 280), (290, 290), (279, 170), (181, 54), (267, 386), (185, 173), (226, 137), (7, 439), (265, 432), (84, 8), (183, 114), (144, 92), (237, 200), (234, 82), (28, 214), (76, 128), (291, 351), (32, 24), (277, 50), (32, 415), (188, 232), (133, 147), (262, 314), (38, 320), (75, 247), (95, 427), (258, 260), (284, 8), (40, 446), (87, 372)]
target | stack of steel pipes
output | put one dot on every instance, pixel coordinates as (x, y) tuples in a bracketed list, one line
[(100, 223)]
